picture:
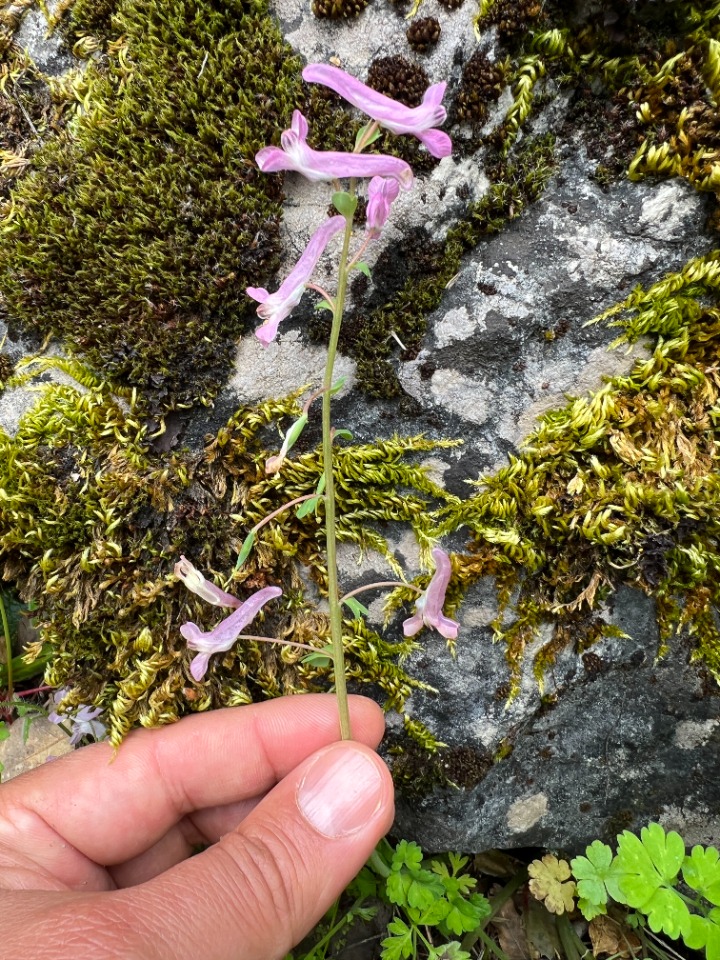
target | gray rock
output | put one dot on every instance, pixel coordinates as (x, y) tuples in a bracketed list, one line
[(630, 740)]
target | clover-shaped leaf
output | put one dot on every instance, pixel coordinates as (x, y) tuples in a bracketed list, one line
[(701, 871), (647, 863), (548, 884), (596, 877)]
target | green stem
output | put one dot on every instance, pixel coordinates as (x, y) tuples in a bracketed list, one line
[(333, 590), (8, 649), (377, 863)]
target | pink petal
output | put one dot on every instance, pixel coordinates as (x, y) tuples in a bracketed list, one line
[(257, 293), (437, 143), (300, 125), (413, 625), (434, 94), (446, 627), (199, 665), (191, 632), (271, 159), (267, 332)]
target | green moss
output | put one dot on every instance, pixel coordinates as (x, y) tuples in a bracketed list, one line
[(621, 487), (135, 234), (92, 522)]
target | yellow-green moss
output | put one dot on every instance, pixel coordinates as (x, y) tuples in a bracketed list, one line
[(91, 523)]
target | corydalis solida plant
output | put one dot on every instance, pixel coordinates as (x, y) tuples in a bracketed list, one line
[(388, 175)]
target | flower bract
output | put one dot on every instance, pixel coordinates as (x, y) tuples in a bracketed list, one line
[(295, 154), (224, 635), (419, 121), (276, 307), (428, 607)]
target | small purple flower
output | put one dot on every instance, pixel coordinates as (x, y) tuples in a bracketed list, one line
[(428, 607), (196, 583), (83, 722), (275, 307), (224, 635), (396, 117), (381, 193), (296, 155)]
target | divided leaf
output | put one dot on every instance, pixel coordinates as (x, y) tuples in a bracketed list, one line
[(701, 871), (548, 883), (646, 863), (595, 878)]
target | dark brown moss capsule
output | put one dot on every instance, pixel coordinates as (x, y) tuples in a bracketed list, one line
[(482, 83), (338, 9), (423, 34), (398, 78)]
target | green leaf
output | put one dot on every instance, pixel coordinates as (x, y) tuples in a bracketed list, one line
[(701, 871), (590, 908), (400, 945), (363, 268), (324, 305), (667, 913), (357, 609), (413, 888), (361, 133), (337, 386), (307, 507), (712, 935), (323, 658), (4, 731), (321, 485), (432, 915), (344, 203), (646, 863), (343, 434), (592, 874), (448, 951), (365, 885), (407, 854), (465, 916), (293, 434), (245, 549)]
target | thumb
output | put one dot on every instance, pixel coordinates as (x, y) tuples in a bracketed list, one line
[(259, 890)]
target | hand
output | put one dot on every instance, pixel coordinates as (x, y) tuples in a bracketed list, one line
[(95, 849)]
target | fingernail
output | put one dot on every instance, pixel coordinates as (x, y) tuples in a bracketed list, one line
[(341, 792)]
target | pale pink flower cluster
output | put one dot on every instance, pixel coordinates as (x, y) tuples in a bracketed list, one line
[(388, 175), (223, 636)]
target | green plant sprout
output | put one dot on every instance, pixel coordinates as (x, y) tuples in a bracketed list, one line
[(676, 893)]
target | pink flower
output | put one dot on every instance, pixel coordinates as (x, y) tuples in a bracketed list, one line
[(275, 307), (381, 193), (428, 607), (296, 155), (394, 116), (196, 583), (224, 635)]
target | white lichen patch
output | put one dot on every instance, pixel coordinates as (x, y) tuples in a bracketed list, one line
[(287, 364), (664, 215), (450, 389), (456, 324), (525, 812), (691, 734)]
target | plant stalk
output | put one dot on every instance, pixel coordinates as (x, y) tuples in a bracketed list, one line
[(338, 654), (8, 649)]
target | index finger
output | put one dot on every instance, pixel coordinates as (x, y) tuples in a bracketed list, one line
[(113, 807)]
